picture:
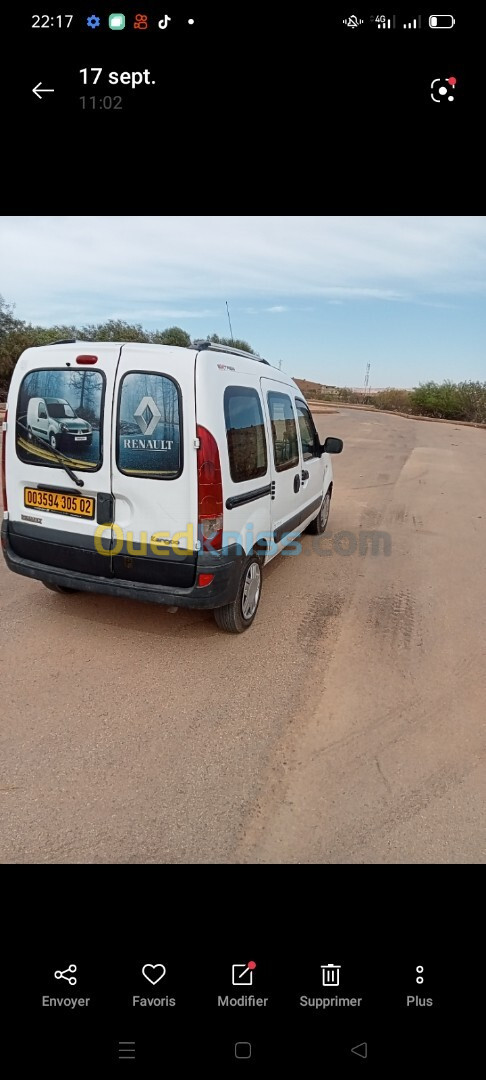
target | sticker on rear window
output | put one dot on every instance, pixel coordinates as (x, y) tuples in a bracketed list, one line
[(60, 411), (149, 436)]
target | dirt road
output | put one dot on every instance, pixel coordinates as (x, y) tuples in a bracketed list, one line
[(348, 725)]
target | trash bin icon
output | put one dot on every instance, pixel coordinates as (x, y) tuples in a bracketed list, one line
[(330, 974)]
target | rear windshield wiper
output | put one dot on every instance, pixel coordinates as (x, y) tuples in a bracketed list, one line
[(57, 454)]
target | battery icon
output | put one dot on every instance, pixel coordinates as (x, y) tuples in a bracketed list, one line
[(441, 22)]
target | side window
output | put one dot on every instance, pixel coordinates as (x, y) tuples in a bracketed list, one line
[(308, 433), (41, 412), (245, 432), (284, 431), (149, 436)]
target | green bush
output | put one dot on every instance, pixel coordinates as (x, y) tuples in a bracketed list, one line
[(347, 395), (451, 401), (394, 400), (442, 401)]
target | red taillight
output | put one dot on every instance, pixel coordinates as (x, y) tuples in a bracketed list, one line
[(204, 579), (86, 359), (4, 478), (209, 490)]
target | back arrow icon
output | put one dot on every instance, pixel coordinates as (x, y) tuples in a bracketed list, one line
[(37, 91)]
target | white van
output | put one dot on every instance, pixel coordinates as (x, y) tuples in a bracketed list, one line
[(199, 465), (54, 420)]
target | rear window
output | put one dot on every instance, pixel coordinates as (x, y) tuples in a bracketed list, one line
[(245, 432), (149, 435), (61, 410)]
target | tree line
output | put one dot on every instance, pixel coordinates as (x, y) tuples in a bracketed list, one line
[(17, 335), (445, 401)]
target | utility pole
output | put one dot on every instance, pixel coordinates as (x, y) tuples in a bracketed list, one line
[(229, 320), (366, 382)]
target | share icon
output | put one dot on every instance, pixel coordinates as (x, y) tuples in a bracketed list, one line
[(71, 979)]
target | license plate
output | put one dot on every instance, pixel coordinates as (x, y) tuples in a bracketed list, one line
[(60, 502), (80, 438)]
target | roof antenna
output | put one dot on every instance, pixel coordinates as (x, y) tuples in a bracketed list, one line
[(230, 326)]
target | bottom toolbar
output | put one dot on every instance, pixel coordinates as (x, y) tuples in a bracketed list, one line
[(246, 1007)]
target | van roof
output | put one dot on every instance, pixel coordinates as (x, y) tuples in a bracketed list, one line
[(197, 346)]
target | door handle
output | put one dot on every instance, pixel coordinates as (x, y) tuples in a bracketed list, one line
[(305, 475), (105, 508), (296, 483)]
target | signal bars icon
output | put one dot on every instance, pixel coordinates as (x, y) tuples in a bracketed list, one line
[(413, 25), (387, 24)]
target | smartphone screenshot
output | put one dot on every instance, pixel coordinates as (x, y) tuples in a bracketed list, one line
[(243, 419)]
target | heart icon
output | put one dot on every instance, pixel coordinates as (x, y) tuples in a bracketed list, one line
[(153, 972)]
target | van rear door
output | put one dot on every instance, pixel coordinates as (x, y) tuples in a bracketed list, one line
[(154, 472), (60, 400)]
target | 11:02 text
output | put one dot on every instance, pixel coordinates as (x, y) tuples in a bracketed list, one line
[(101, 103)]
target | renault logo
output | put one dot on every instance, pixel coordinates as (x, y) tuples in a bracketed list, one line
[(147, 415)]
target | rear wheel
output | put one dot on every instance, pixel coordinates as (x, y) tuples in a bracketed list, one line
[(318, 526), (29, 434), (58, 588), (238, 616)]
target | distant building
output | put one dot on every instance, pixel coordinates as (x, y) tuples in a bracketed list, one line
[(369, 390), (376, 389), (313, 390)]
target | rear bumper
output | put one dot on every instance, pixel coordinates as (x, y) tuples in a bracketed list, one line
[(222, 590)]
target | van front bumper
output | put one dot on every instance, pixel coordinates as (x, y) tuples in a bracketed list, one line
[(225, 568)]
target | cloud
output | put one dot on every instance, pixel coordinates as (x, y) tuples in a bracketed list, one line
[(436, 304), (90, 267), (136, 314)]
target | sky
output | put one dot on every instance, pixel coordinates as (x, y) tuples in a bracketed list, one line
[(322, 296)]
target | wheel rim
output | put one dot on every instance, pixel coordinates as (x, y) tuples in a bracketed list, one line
[(251, 591), (53, 441), (325, 511)]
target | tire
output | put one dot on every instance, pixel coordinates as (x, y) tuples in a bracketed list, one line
[(29, 434), (238, 616), (318, 525), (58, 588), (53, 441)]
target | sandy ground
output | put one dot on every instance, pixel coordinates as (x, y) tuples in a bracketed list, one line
[(347, 726)]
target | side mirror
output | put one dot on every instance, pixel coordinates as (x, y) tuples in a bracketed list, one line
[(332, 446)]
